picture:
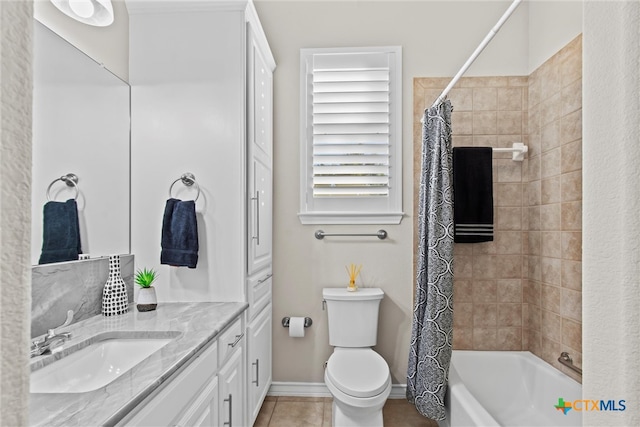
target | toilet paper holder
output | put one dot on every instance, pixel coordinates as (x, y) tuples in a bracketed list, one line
[(307, 322)]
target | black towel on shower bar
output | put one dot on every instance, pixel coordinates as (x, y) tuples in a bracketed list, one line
[(179, 234), (472, 194)]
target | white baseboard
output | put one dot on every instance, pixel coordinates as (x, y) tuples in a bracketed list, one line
[(283, 388)]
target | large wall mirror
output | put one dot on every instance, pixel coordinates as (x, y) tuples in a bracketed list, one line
[(81, 126)]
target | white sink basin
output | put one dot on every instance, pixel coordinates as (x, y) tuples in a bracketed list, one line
[(94, 366)]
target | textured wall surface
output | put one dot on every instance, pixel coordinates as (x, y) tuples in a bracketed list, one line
[(15, 208), (611, 249)]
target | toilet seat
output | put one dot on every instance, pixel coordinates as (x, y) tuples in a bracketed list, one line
[(358, 372)]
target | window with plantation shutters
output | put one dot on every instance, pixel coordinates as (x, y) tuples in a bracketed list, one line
[(351, 158)]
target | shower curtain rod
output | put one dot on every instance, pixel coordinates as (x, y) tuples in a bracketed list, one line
[(477, 52)]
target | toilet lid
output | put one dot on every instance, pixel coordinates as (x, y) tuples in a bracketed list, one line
[(358, 372)]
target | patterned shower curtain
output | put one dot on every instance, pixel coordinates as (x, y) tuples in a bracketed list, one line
[(432, 329)]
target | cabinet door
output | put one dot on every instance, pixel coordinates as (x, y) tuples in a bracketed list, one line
[(260, 99), (259, 147), (259, 362), (204, 411), (261, 212), (182, 396), (231, 396)]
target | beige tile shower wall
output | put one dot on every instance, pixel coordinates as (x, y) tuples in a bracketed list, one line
[(488, 291), (524, 290), (553, 291)]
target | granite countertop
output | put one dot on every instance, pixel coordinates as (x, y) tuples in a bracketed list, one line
[(195, 324)]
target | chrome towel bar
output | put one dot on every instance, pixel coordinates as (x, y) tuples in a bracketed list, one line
[(381, 234)]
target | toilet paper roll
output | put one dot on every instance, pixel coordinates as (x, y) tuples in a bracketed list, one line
[(296, 327)]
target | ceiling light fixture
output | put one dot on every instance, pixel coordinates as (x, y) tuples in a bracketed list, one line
[(91, 12)]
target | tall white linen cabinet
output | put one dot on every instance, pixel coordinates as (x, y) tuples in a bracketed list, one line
[(201, 76)]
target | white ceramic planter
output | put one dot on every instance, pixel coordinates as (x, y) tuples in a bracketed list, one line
[(147, 300)]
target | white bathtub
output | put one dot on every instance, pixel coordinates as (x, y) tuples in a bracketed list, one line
[(507, 388)]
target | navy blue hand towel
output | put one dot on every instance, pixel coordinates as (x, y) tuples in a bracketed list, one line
[(472, 194), (60, 232), (179, 234)]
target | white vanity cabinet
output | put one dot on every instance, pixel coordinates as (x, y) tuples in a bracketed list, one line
[(208, 391), (190, 398)]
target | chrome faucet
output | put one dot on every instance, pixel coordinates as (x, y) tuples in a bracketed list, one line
[(53, 339)]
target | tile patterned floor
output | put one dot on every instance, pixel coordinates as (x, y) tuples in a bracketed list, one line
[(285, 411)]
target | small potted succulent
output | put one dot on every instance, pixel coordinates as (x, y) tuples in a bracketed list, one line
[(147, 300)]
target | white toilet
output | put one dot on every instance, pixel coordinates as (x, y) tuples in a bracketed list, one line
[(357, 377)]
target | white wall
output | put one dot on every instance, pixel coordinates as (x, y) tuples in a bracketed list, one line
[(552, 24), (611, 249), (187, 115), (106, 45), (436, 39)]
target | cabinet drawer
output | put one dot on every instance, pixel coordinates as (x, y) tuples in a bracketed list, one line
[(182, 389), (259, 293), (229, 340)]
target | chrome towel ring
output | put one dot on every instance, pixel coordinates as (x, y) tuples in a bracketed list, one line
[(70, 179), (187, 179)]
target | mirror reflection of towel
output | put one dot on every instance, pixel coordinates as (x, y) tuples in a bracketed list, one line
[(473, 194), (60, 232), (179, 234)]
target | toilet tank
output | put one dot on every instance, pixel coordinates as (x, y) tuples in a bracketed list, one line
[(353, 316)]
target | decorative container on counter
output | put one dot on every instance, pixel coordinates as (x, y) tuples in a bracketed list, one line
[(114, 293)]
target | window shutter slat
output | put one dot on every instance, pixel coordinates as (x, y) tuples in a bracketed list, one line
[(363, 75), (352, 139), (350, 97), (350, 87), (351, 128), (351, 107), (345, 150), (359, 118), (350, 192)]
